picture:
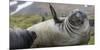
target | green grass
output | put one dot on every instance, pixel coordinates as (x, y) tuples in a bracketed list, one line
[(25, 21), (92, 40)]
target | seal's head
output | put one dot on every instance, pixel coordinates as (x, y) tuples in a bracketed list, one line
[(77, 17)]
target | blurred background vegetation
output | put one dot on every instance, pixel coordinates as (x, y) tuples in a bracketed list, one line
[(26, 21)]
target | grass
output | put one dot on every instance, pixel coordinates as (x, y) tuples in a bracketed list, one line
[(24, 21), (91, 41)]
